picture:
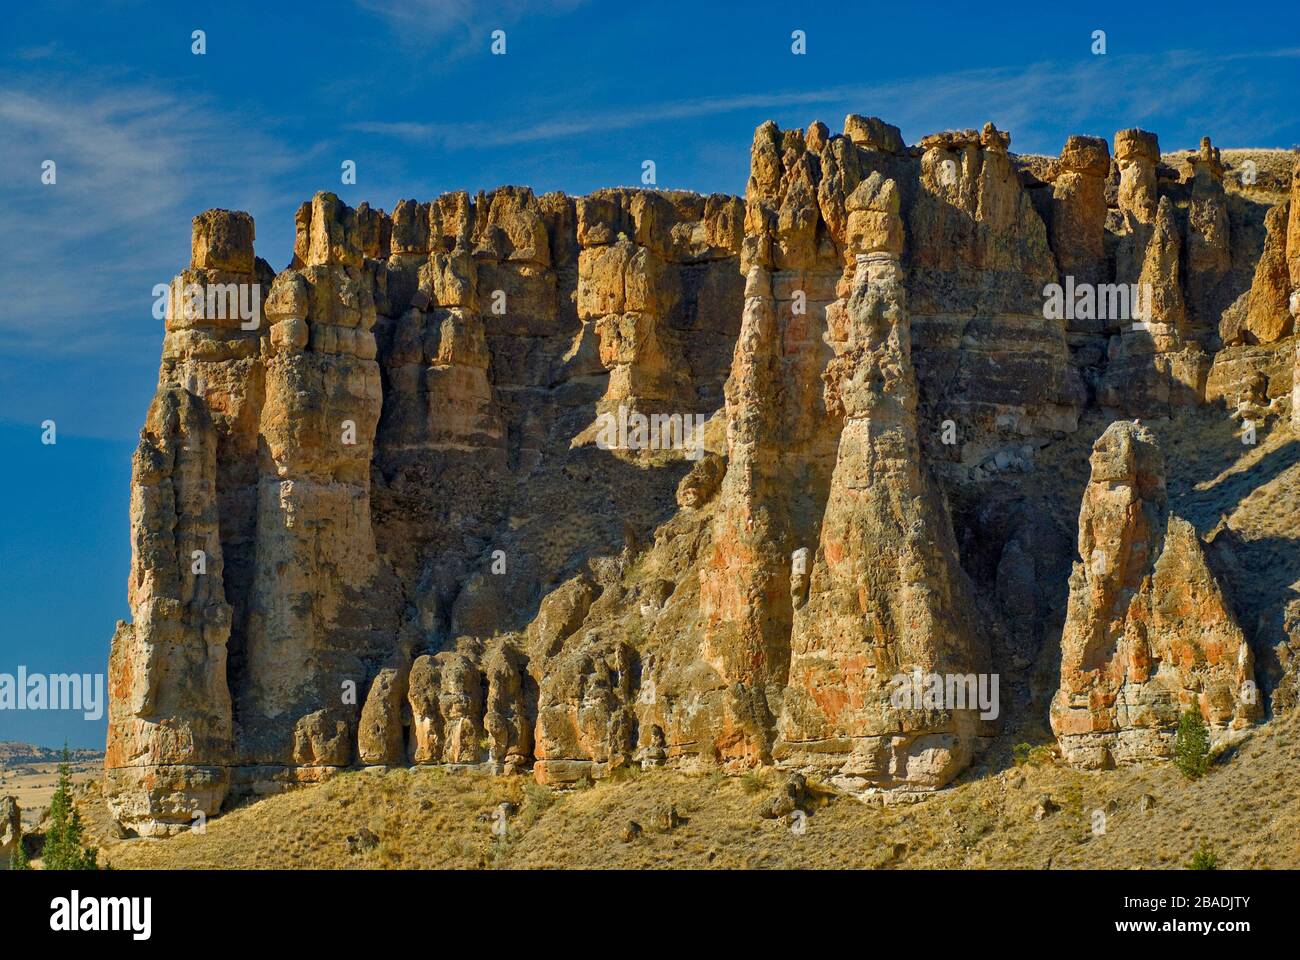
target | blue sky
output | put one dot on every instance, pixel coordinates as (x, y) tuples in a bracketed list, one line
[(146, 134)]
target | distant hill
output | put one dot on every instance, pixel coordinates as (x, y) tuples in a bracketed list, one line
[(13, 752)]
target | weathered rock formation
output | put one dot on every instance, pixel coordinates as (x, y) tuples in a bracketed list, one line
[(1078, 213), (11, 830), (780, 437), (886, 595), (1293, 271), (1136, 154), (993, 364), (1153, 365), (1148, 634), (314, 564), (1268, 317), (559, 484), (1209, 242), (169, 721)]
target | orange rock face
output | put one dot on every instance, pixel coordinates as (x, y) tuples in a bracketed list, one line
[(379, 516), (1148, 634), (169, 729), (885, 595)]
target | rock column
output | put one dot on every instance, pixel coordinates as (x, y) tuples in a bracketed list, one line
[(169, 722), (886, 595), (311, 625), (1148, 633)]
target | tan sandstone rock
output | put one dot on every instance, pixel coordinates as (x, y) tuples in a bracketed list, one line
[(380, 737), (1079, 209), (584, 717), (1148, 633), (169, 726), (1208, 242), (886, 573), (1137, 153), (417, 550), (1268, 313), (11, 830), (1152, 366), (1293, 228)]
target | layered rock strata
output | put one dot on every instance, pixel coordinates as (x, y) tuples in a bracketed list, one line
[(993, 363), (11, 830), (885, 596), (1148, 633), (169, 720), (380, 516)]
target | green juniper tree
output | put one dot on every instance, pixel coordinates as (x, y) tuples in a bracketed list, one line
[(19, 861), (1192, 745), (63, 848), (1204, 858)]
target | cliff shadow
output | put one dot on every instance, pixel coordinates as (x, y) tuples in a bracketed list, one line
[(1240, 511)]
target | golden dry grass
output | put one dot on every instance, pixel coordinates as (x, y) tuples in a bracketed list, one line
[(1247, 809), (33, 784)]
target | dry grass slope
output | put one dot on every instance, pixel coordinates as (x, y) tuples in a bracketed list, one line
[(1246, 809)]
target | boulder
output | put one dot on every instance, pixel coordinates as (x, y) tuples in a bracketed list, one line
[(380, 732), (585, 721)]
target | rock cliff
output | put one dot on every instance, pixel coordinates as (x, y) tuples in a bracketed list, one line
[(556, 485), (1148, 634), (11, 830)]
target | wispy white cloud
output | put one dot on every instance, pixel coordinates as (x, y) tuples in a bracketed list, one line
[(136, 163), (129, 165), (42, 52), (1036, 101), (460, 26)]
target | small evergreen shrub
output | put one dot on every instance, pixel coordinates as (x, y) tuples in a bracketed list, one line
[(1192, 745), (63, 848), (1204, 858), (19, 860)]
